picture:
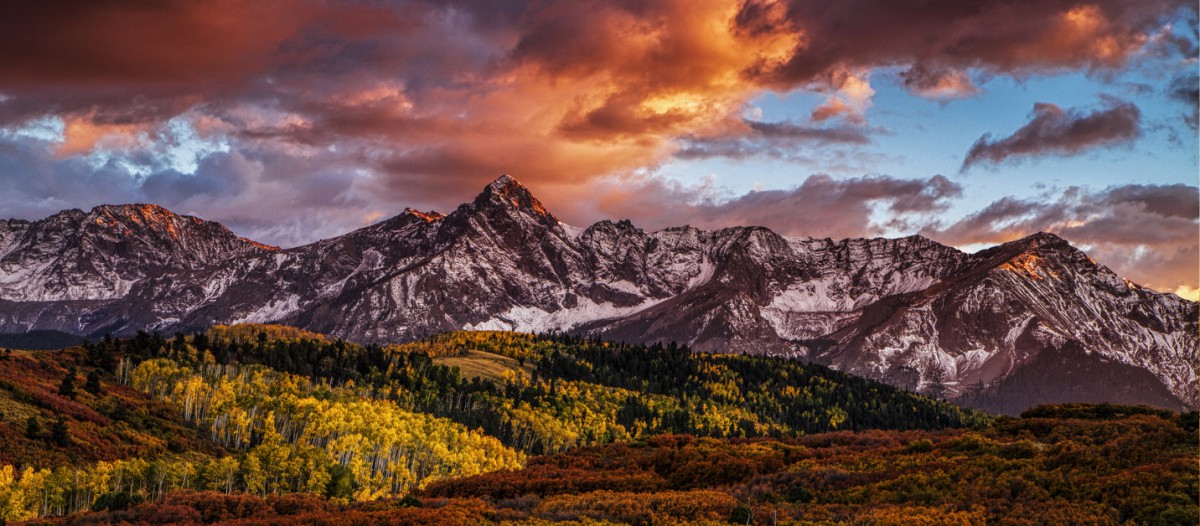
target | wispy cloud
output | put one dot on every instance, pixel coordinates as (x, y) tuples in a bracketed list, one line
[(1055, 131)]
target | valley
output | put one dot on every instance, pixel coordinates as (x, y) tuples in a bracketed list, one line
[(259, 424)]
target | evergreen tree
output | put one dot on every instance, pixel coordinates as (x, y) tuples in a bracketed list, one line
[(33, 428), (93, 383), (341, 482), (58, 432), (200, 341), (67, 387), (101, 354)]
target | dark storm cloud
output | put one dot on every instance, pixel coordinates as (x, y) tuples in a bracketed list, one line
[(254, 195), (1055, 131), (1005, 37), (218, 176), (33, 185)]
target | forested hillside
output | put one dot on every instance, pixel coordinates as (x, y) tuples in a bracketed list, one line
[(545, 394), (1059, 465), (253, 422), (106, 426)]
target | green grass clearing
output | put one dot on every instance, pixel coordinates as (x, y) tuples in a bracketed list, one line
[(479, 364)]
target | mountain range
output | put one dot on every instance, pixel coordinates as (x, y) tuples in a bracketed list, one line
[(1031, 321)]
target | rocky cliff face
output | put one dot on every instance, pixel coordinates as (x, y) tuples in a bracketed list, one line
[(980, 327)]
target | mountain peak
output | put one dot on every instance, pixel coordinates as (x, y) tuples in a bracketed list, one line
[(139, 217), (1033, 243), (1038, 255), (148, 215), (138, 214), (1042, 239), (506, 191), (138, 209), (505, 181), (427, 217), (152, 217)]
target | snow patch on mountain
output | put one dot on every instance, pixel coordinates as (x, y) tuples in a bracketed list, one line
[(276, 310), (534, 319)]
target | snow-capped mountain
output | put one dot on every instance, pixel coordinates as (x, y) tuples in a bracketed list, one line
[(1031, 321), (97, 255)]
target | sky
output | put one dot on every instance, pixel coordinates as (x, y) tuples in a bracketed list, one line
[(970, 122)]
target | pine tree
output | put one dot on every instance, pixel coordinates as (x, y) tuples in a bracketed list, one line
[(33, 428), (67, 388), (58, 432), (341, 482), (93, 384)]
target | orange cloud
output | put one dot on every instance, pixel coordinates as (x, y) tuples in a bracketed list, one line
[(941, 85), (82, 134), (560, 91), (852, 98)]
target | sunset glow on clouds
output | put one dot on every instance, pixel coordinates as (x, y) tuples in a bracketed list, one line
[(970, 122)]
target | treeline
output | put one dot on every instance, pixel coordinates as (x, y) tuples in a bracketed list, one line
[(1071, 465), (572, 391), (788, 394)]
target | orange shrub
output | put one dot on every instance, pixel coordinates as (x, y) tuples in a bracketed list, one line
[(664, 507)]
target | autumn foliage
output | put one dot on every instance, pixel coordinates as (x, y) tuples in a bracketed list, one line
[(262, 425)]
